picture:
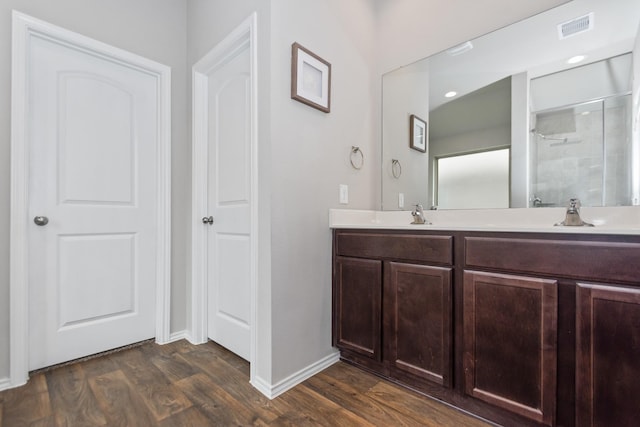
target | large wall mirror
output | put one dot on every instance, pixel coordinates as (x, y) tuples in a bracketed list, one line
[(530, 115)]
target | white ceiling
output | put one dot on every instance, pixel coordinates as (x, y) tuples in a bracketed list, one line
[(533, 45)]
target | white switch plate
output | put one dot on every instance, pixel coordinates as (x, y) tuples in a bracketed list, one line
[(401, 200), (344, 194)]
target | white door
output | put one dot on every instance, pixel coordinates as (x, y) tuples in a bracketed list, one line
[(93, 129), (228, 200)]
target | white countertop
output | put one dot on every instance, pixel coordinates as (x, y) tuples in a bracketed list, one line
[(607, 220)]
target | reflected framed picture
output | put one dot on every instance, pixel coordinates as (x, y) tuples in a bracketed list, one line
[(417, 133), (310, 78)]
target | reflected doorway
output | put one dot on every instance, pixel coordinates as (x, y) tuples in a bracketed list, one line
[(477, 180)]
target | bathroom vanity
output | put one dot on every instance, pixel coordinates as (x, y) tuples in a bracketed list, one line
[(519, 326)]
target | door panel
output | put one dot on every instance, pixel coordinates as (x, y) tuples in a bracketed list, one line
[(510, 342), (229, 195), (103, 282), (93, 135), (231, 125), (607, 355), (418, 310), (96, 124), (231, 299), (358, 299)]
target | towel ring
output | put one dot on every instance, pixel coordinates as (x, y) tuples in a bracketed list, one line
[(396, 168), (353, 158)]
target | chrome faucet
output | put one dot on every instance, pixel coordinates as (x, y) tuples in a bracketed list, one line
[(537, 202), (572, 218), (418, 215)]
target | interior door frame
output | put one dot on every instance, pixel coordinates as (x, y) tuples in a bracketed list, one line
[(244, 35), (24, 29)]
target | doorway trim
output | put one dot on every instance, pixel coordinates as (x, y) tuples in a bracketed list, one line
[(244, 35), (24, 29)]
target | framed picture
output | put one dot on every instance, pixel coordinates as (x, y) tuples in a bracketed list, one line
[(310, 78), (418, 133)]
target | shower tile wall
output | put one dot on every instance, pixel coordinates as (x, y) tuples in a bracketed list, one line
[(575, 168)]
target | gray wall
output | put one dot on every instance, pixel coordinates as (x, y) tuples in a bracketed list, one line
[(404, 92), (410, 30), (466, 125), (310, 158), (612, 76), (635, 150), (155, 29), (303, 157)]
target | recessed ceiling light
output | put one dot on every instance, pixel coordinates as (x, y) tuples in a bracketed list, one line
[(450, 94), (576, 59)]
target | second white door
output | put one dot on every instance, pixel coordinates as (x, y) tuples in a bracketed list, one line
[(229, 202)]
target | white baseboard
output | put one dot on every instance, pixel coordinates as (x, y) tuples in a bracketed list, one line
[(180, 335), (275, 390), (183, 335), (5, 383)]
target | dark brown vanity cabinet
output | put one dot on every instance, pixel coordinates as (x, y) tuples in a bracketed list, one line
[(357, 303), (417, 317), (607, 355), (510, 342), (523, 329), (392, 311)]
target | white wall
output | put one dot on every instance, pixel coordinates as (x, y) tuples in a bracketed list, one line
[(612, 76), (404, 92), (410, 30), (303, 157), (310, 158), (155, 29), (519, 192), (635, 150)]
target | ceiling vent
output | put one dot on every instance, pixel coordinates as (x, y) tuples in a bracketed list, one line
[(575, 26)]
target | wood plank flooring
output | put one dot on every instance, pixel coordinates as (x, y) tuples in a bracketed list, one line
[(180, 384)]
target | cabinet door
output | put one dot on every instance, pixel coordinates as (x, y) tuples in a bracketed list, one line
[(417, 315), (607, 356), (357, 306), (510, 342)]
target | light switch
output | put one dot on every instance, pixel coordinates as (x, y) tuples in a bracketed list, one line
[(344, 194), (401, 200)]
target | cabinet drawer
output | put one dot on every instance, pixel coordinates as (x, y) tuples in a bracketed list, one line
[(437, 249), (588, 260)]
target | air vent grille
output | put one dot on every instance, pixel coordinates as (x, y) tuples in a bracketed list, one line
[(575, 26)]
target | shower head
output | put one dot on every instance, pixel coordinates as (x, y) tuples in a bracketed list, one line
[(549, 138)]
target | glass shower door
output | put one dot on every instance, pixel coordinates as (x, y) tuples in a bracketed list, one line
[(581, 151)]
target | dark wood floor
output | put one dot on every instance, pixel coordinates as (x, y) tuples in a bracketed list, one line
[(180, 384)]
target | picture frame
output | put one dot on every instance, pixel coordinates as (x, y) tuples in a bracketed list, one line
[(310, 78), (417, 133)]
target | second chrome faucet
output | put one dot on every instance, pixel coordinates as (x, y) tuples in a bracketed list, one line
[(572, 218), (418, 215)]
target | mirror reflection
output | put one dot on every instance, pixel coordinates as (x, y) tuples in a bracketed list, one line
[(527, 116)]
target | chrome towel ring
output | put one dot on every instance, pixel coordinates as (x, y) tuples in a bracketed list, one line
[(353, 157), (396, 168)]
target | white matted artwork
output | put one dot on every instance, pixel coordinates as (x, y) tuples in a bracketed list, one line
[(310, 78), (418, 134)]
